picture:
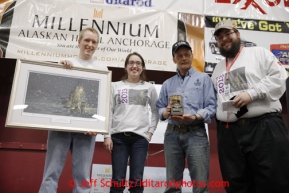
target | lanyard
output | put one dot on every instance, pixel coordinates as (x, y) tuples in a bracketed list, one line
[(228, 67)]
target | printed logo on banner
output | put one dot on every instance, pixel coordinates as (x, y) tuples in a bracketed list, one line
[(138, 3), (106, 169), (97, 14), (269, 3), (281, 51)]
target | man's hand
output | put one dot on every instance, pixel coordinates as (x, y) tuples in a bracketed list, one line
[(167, 112), (108, 144), (150, 135), (66, 64), (184, 118), (241, 100)]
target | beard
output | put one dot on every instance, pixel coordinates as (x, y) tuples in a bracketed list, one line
[(231, 53)]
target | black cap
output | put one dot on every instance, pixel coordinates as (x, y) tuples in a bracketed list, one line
[(179, 44)]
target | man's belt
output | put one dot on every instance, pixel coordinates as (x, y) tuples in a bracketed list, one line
[(246, 121), (185, 128), (125, 133)]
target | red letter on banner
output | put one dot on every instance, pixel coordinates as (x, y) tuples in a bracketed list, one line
[(248, 2), (271, 3), (223, 1), (274, 3), (286, 3)]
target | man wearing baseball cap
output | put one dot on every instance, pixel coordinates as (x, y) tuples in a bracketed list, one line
[(226, 24), (186, 137), (253, 144)]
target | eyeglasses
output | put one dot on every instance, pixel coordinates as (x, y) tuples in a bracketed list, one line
[(227, 35), (137, 63)]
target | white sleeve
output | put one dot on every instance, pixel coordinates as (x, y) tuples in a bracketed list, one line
[(272, 86), (154, 111)]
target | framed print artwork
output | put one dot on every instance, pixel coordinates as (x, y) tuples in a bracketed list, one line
[(47, 96)]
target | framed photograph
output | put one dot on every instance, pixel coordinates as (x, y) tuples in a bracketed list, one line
[(47, 96)]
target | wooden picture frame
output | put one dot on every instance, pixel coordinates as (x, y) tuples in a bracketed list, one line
[(47, 96)]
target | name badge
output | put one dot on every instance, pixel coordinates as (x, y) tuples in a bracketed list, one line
[(227, 89)]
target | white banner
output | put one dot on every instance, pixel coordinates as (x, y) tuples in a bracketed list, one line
[(277, 10), (48, 31), (191, 6)]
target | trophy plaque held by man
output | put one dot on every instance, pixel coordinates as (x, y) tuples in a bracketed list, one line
[(176, 105)]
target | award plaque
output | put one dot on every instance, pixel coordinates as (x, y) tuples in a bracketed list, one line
[(176, 105)]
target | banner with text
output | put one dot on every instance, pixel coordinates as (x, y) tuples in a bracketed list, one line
[(277, 10), (271, 35), (192, 6), (38, 30)]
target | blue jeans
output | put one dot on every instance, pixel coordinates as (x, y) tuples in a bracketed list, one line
[(58, 145), (195, 147), (134, 148)]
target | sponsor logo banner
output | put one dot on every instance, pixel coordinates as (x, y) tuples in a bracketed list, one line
[(258, 9), (49, 32), (192, 6), (253, 33)]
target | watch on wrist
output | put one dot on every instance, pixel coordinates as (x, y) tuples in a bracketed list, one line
[(196, 117)]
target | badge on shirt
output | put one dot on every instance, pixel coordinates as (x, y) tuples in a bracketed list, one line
[(227, 89)]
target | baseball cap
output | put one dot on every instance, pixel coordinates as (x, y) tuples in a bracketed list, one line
[(179, 44), (227, 24)]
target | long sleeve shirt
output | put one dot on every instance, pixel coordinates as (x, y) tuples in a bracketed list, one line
[(256, 71), (197, 92), (130, 106)]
